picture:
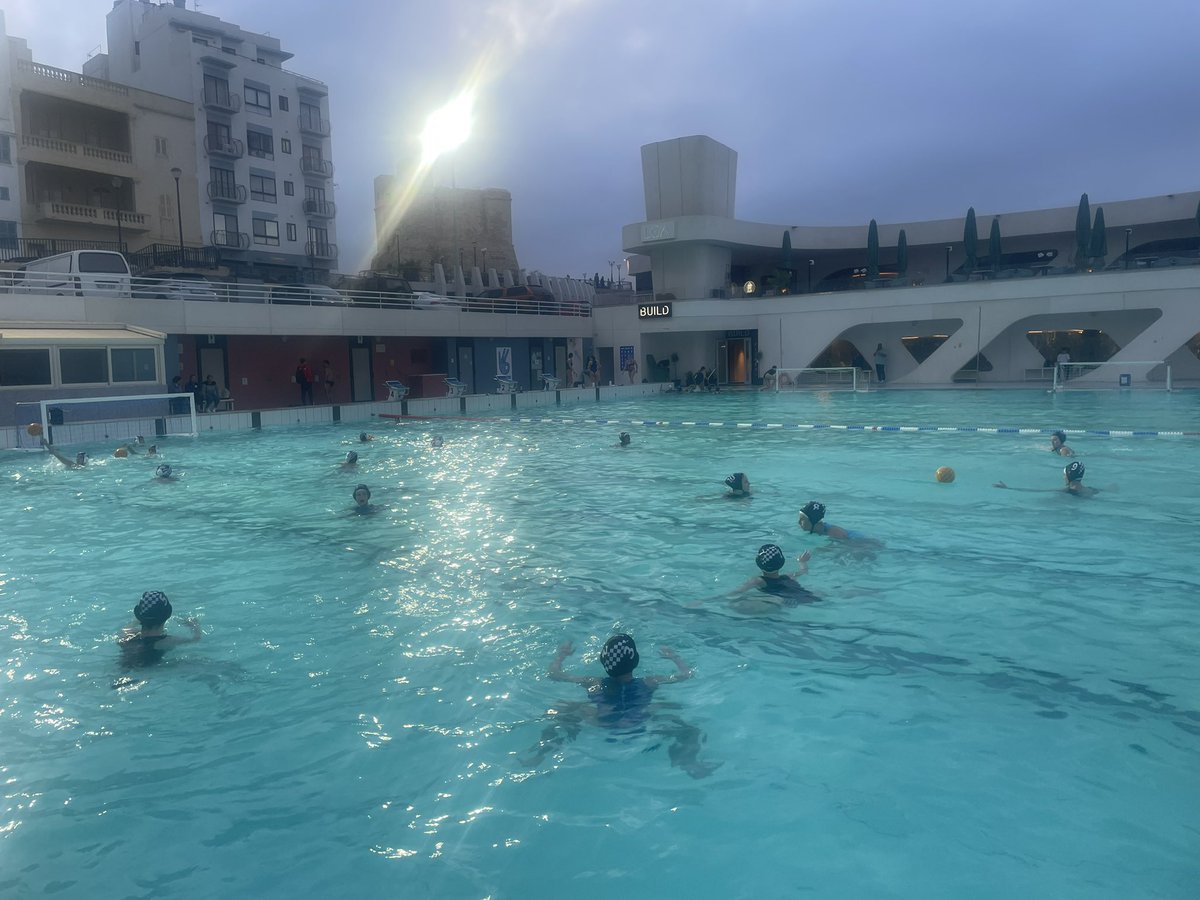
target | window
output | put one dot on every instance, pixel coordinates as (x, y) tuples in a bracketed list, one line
[(260, 145), (316, 194), (219, 136), (289, 189), (225, 231), (83, 365), (5, 149), (4, 193), (24, 367), (310, 153), (266, 231), (216, 91), (262, 187), (199, 40), (285, 144), (160, 146), (319, 239), (291, 231), (310, 117), (133, 364), (283, 103), (256, 99), (222, 185), (8, 233)]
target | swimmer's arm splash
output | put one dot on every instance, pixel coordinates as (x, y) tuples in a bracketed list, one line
[(683, 672), (565, 649)]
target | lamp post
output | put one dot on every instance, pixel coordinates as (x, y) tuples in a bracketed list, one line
[(116, 183), (176, 173), (475, 254), (611, 265), (811, 263), (948, 278), (485, 268), (1128, 232)]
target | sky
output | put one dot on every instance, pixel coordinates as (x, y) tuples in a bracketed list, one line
[(840, 110)]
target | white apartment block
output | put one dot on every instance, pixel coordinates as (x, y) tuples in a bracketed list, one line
[(10, 183), (263, 152)]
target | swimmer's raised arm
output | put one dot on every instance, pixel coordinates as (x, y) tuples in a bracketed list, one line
[(683, 672), (1001, 484), (565, 649), (803, 562)]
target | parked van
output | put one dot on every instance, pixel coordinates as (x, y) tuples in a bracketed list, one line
[(80, 273)]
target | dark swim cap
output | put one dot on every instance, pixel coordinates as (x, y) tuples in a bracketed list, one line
[(362, 436), (619, 656), (361, 487), (624, 437), (770, 558), (163, 471), (814, 511), (736, 481), (351, 457), (1061, 435), (154, 608), (1074, 471)]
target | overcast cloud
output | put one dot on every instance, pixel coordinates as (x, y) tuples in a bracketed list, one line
[(840, 111)]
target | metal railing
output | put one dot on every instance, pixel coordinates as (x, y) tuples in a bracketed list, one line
[(314, 125), (231, 147), (320, 250), (223, 100), (232, 193), (322, 209), (161, 256), (311, 165), (36, 248), (230, 240)]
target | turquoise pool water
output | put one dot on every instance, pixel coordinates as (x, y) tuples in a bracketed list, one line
[(1002, 701)]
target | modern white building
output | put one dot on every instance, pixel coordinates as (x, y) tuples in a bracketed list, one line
[(10, 185), (262, 138)]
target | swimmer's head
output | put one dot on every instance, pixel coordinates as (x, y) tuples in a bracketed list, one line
[(619, 656), (153, 451), (81, 459), (163, 471), (436, 441), (1074, 471), (737, 482), (1057, 439), (351, 457), (624, 438), (153, 610), (770, 558), (362, 494), (813, 511), (120, 452), (363, 436)]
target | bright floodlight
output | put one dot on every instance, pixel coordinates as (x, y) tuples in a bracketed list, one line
[(446, 129)]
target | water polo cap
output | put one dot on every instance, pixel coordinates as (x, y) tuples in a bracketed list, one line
[(770, 558), (814, 511), (153, 609), (736, 481), (163, 471), (351, 457), (619, 656), (1074, 471)]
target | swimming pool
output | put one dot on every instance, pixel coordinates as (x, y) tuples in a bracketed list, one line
[(1003, 701)]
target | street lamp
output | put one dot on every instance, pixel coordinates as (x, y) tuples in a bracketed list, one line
[(612, 263), (475, 254), (1128, 232), (176, 173), (811, 263), (116, 183), (948, 278)]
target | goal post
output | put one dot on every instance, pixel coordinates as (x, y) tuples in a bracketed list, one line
[(79, 420), (1112, 374), (829, 378)]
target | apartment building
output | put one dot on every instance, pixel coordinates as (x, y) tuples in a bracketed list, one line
[(261, 139), (85, 162)]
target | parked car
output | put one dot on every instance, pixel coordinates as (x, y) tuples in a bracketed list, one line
[(306, 295), (175, 286), (430, 300)]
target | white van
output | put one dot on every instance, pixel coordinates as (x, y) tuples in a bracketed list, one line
[(80, 273)]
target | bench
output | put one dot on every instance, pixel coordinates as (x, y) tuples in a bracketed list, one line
[(396, 390), (455, 388)]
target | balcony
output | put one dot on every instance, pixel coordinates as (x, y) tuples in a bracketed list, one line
[(320, 209), (72, 86), (69, 154), (229, 193), (314, 125), (77, 214), (229, 240), (311, 165), (223, 101), (228, 147), (320, 250)]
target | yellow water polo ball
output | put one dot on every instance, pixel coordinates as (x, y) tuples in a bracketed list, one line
[(34, 429), (945, 474)]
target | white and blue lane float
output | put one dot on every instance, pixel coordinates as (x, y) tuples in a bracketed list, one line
[(809, 426)]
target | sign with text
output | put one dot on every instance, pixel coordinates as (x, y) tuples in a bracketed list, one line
[(654, 311), (658, 231)]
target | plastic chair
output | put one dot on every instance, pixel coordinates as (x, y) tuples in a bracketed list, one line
[(455, 387), (396, 390)]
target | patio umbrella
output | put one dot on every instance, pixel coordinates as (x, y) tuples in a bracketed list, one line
[(970, 240), (1099, 247), (872, 251), (994, 247), (1083, 233)]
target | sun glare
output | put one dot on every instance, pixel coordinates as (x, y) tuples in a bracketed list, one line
[(447, 128)]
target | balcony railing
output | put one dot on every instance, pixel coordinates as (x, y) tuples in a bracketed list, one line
[(321, 209), (33, 248), (230, 193), (312, 165), (57, 145), (231, 147), (230, 240), (54, 211), (225, 101), (314, 125), (134, 221), (72, 78), (320, 250)]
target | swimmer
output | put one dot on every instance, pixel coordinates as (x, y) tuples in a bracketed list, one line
[(364, 437), (622, 702), (350, 463), (775, 589), (1058, 444), (812, 520), (623, 439), (362, 499), (153, 450), (163, 474), (1072, 481), (738, 484), (145, 644), (78, 462), (436, 441)]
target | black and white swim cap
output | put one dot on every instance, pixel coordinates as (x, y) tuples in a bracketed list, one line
[(1074, 471), (163, 471), (624, 437), (351, 457), (770, 558), (736, 481), (814, 511), (153, 609), (619, 656)]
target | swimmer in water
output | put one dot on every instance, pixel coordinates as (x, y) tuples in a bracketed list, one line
[(145, 644), (812, 520), (623, 703), (362, 499), (775, 589), (738, 484), (364, 437), (436, 441), (350, 463), (623, 439), (1058, 444), (1072, 483), (78, 462), (163, 474)]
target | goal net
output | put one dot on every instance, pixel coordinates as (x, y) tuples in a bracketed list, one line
[(87, 419), (835, 378), (1094, 376)]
